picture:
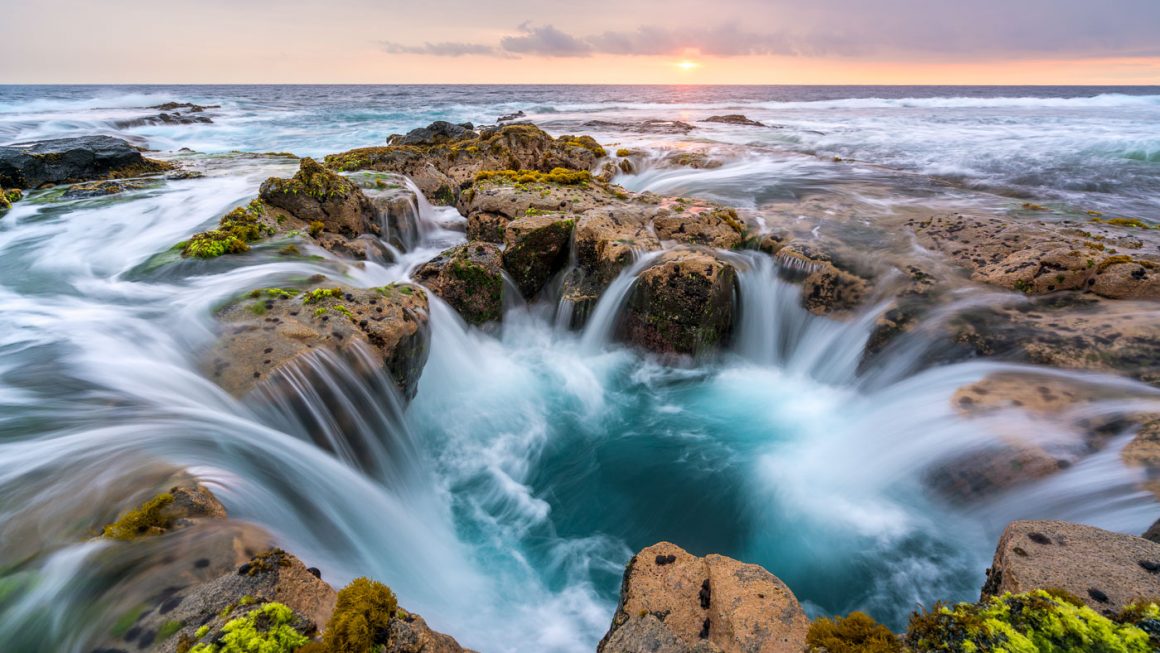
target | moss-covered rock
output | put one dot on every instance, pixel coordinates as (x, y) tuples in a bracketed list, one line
[(536, 248), (178, 508), (235, 231), (441, 169), (469, 277), (854, 633), (682, 304), (362, 617), (8, 197), (272, 330), (315, 194)]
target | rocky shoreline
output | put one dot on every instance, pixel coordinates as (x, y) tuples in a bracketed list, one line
[(544, 220)]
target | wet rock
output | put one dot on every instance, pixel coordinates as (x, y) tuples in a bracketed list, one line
[(1037, 257), (411, 634), (469, 277), (163, 119), (442, 169), (651, 126), (536, 249), (673, 601), (8, 197), (318, 196), (274, 331), (830, 290), (1144, 449), (713, 227), (734, 119), (490, 203), (508, 117), (100, 189), (1106, 570), (1153, 532), (192, 108), (605, 241), (437, 133), (69, 160), (684, 303)]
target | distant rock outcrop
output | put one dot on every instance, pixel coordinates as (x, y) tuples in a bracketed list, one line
[(69, 160)]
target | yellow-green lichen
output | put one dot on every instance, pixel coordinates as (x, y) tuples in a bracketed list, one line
[(268, 629), (586, 142), (855, 633), (320, 294), (561, 176)]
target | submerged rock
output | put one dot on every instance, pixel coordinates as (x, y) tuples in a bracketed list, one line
[(734, 119), (536, 248), (274, 330), (1106, 570), (72, 160), (163, 119), (674, 602), (651, 126), (508, 117), (684, 303), (469, 277)]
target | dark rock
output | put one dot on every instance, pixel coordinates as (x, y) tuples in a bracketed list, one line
[(643, 127), (511, 116), (437, 133), (536, 248), (469, 277), (734, 119), (682, 304), (69, 160)]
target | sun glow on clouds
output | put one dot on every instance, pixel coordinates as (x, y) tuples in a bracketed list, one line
[(686, 66)]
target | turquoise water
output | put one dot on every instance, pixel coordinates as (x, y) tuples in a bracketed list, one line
[(504, 501)]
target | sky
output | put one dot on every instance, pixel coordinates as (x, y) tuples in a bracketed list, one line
[(1112, 42)]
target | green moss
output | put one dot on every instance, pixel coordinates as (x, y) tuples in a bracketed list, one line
[(1029, 206), (150, 518), (561, 176), (263, 563), (168, 629), (343, 310), (535, 211), (290, 250), (624, 151), (235, 231), (1035, 622), (856, 633), (319, 294), (126, 621), (1125, 222), (8, 197), (268, 629), (276, 293), (362, 616), (1113, 260), (316, 228), (313, 180), (201, 632)]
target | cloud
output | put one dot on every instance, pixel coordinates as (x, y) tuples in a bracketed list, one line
[(545, 41), (853, 28), (445, 49)]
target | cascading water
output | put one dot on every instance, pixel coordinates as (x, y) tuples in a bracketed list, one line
[(503, 502)]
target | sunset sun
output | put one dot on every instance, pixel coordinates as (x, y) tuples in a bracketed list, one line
[(686, 65)]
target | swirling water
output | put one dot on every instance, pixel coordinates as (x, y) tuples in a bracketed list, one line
[(503, 502)]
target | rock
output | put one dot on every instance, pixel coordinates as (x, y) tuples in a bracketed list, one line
[(684, 303), (492, 202), (69, 160), (1036, 257), (163, 119), (734, 119), (469, 277), (1106, 570), (411, 634), (829, 290), (273, 576), (320, 197), (101, 188), (193, 108), (672, 601), (713, 227), (442, 169), (535, 249), (1153, 532), (511, 116), (1144, 449), (651, 126), (437, 133), (275, 331)]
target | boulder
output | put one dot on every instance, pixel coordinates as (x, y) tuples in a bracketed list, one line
[(712, 227), (493, 201), (442, 168), (469, 277), (672, 601), (535, 249), (436, 133), (318, 196), (1106, 570), (273, 330), (734, 119), (684, 303), (69, 160)]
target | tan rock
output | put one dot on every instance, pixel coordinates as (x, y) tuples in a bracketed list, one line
[(1107, 570), (720, 228), (672, 602)]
